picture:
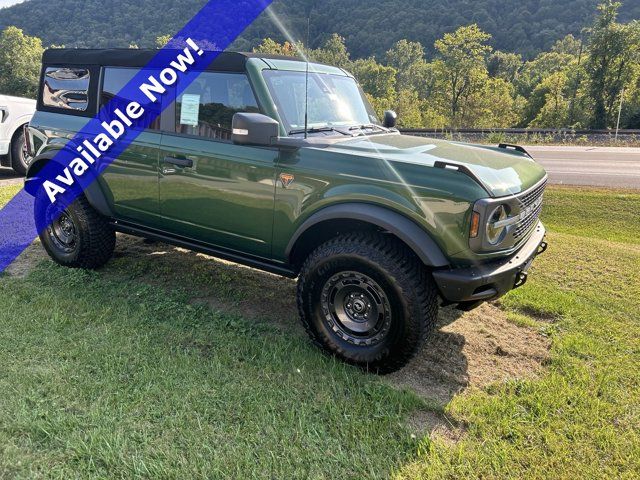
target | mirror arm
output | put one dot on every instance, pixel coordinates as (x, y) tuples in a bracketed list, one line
[(286, 143)]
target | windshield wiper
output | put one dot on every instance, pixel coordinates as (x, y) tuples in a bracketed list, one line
[(318, 130)]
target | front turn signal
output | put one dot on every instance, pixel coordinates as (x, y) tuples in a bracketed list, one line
[(475, 225)]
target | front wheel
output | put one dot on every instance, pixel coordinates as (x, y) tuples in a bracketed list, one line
[(19, 157), (367, 299)]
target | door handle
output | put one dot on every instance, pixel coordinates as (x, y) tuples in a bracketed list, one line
[(179, 162)]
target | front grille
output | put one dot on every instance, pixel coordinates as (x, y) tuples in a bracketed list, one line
[(530, 208)]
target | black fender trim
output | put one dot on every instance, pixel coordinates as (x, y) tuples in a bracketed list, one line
[(405, 229), (94, 194)]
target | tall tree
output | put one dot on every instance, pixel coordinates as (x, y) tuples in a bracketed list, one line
[(408, 59), (504, 65), (162, 41), (333, 52), (555, 93), (271, 47), (462, 63), (376, 79), (613, 48), (20, 60)]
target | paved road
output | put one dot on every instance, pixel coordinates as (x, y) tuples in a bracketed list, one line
[(593, 166)]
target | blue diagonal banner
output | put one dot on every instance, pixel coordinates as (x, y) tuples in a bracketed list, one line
[(190, 52)]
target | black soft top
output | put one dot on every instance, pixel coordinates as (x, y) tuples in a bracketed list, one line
[(130, 57)]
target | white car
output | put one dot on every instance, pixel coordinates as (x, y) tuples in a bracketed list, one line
[(15, 112)]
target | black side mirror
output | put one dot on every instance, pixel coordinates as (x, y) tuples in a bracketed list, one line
[(254, 129), (390, 119)]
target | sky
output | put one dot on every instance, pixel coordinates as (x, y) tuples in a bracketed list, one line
[(6, 3)]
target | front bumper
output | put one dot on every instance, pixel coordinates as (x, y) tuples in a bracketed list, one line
[(489, 281)]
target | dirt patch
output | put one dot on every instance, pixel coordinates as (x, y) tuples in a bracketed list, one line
[(27, 260), (204, 349), (436, 425), (473, 349)]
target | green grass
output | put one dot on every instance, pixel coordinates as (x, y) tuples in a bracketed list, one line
[(6, 193), (594, 213), (582, 419), (117, 374)]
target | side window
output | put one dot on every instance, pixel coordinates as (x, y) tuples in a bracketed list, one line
[(114, 81), (208, 104), (66, 88)]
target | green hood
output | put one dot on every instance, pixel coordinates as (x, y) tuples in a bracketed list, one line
[(503, 172)]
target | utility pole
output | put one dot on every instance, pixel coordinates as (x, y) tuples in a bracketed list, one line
[(619, 113)]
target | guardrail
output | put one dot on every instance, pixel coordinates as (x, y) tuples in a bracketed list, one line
[(517, 131), (561, 136)]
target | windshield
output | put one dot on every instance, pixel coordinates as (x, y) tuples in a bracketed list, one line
[(334, 100)]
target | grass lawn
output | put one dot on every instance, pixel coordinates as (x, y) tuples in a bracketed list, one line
[(122, 373)]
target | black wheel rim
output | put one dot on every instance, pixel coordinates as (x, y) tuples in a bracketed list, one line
[(25, 158), (356, 308), (63, 233)]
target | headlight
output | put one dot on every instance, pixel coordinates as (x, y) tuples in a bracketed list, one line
[(496, 227)]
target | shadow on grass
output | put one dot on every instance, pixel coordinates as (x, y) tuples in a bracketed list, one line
[(8, 176), (437, 374), (466, 350), (472, 349)]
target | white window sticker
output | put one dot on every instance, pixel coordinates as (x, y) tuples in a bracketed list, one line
[(190, 110)]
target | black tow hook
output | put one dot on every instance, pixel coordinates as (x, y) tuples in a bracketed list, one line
[(542, 248), (521, 279)]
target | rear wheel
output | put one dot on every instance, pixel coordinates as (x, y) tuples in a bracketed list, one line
[(79, 237), (367, 299), (19, 157)]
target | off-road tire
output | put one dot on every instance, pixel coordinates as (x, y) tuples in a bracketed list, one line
[(95, 239), (401, 276), (18, 159)]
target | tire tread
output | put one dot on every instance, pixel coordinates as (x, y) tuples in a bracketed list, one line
[(98, 239), (407, 272)]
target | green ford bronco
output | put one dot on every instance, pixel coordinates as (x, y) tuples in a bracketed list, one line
[(258, 164)]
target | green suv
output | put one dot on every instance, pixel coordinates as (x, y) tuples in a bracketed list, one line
[(260, 164)]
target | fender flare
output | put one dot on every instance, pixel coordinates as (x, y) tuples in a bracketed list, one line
[(94, 194), (17, 123), (416, 238)]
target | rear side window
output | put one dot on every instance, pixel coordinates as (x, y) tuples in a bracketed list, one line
[(114, 81), (66, 88), (207, 106)]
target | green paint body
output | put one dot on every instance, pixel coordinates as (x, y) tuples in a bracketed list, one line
[(233, 198)]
